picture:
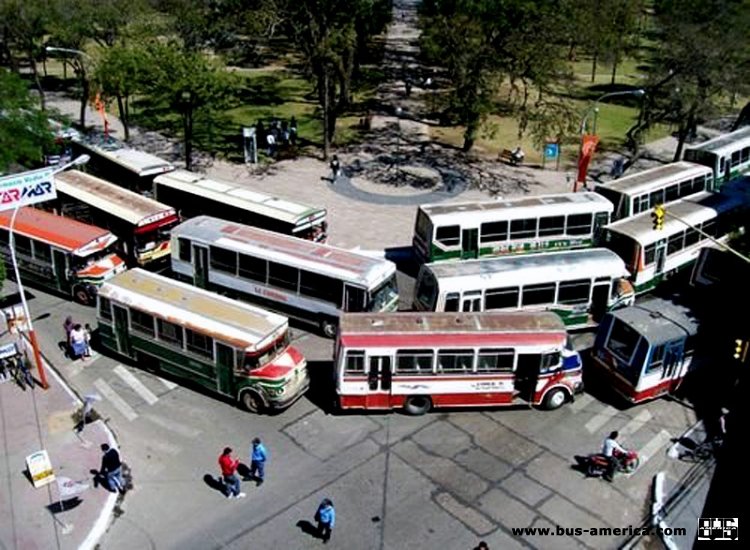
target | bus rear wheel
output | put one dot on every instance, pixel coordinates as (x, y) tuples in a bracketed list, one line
[(554, 399), (328, 326), (81, 296), (252, 401), (417, 405)]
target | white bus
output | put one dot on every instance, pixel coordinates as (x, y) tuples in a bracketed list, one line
[(118, 163), (415, 361), (311, 281), (727, 155), (579, 285), (142, 225), (642, 191), (653, 254), (194, 195), (513, 226)]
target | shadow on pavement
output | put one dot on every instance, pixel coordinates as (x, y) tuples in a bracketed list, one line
[(214, 483), (308, 528)]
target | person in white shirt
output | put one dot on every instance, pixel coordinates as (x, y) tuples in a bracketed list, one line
[(610, 449)]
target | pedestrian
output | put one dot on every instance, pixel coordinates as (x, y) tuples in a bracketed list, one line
[(78, 342), (88, 406), (112, 468), (258, 457), (335, 168), (407, 85), (87, 339), (68, 326), (326, 518), (228, 472), (271, 142), (293, 130)]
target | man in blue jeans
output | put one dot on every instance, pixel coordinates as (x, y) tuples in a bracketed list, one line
[(258, 457), (112, 468)]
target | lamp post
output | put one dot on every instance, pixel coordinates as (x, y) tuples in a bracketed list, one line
[(83, 159), (84, 87), (594, 108)]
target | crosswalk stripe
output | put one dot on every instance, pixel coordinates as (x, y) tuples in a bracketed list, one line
[(118, 402), (169, 384), (600, 419), (636, 423), (162, 447), (172, 426), (656, 442), (129, 378), (581, 402)]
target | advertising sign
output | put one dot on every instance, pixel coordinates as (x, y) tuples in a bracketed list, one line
[(40, 469), (27, 188)]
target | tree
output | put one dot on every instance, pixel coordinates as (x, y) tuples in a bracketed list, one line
[(24, 128)]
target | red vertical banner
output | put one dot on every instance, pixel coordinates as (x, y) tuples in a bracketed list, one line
[(102, 108), (588, 146)]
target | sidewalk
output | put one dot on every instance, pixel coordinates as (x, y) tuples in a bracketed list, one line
[(33, 420)]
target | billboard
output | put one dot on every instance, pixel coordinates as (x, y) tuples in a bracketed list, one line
[(27, 188)]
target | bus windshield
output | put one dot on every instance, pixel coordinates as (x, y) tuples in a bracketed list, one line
[(316, 232), (149, 240), (383, 295), (77, 263), (262, 357), (427, 290)]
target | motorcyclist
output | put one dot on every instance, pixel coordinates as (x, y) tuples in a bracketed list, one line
[(610, 449)]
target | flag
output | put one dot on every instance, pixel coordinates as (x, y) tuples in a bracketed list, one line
[(588, 145), (101, 107)]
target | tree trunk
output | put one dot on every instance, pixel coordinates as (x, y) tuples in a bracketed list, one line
[(614, 72), (122, 109), (470, 134), (187, 131), (593, 66), (37, 81), (84, 97), (326, 107)]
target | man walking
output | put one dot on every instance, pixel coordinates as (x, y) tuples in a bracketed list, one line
[(326, 518), (258, 457), (112, 468), (335, 168), (228, 469)]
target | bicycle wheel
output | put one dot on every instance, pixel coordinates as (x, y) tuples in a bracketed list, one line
[(703, 452)]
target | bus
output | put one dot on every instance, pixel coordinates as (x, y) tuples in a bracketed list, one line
[(727, 155), (142, 225), (514, 226), (664, 184), (236, 350), (416, 361), (651, 255), (646, 350), (114, 161), (194, 194), (60, 254), (310, 281), (578, 285)]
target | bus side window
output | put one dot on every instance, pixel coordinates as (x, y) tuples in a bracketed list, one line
[(451, 301), (550, 361), (185, 250), (23, 244), (449, 235), (656, 360), (501, 298), (355, 299), (3, 236), (355, 362)]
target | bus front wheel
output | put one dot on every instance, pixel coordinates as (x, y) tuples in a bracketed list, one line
[(417, 405), (328, 326), (252, 401), (555, 399), (81, 295)]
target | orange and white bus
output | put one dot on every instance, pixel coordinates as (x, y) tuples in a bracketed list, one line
[(60, 254), (141, 224), (416, 361)]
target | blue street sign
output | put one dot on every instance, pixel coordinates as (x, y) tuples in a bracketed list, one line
[(551, 150)]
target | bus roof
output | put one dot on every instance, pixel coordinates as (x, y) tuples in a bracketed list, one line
[(654, 178), (238, 323), (534, 268), (696, 210), (140, 162), (658, 320), (131, 207), (415, 329), (78, 238), (236, 194), (725, 142), (302, 254), (518, 208)]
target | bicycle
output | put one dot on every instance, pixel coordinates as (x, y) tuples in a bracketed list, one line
[(698, 452)]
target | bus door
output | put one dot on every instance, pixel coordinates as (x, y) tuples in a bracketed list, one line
[(660, 256), (527, 375), (200, 266), (224, 368), (600, 220), (469, 243), (600, 297), (122, 334), (472, 301), (61, 270), (379, 377), (673, 352)]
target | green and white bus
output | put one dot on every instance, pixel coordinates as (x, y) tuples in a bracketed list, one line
[(514, 226), (665, 184), (651, 254), (234, 349), (727, 155), (313, 282), (579, 285)]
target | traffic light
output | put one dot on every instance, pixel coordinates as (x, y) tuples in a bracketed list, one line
[(740, 349), (658, 216)]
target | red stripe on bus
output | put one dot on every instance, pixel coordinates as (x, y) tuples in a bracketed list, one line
[(628, 391), (445, 340), (156, 225), (387, 401)]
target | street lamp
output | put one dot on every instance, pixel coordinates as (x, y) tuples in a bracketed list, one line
[(83, 159), (594, 108)]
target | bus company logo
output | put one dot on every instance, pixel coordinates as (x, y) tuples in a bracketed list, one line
[(718, 529), (17, 194)]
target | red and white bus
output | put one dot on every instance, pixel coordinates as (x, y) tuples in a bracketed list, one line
[(416, 361)]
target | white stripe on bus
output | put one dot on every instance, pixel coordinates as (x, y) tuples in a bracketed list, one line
[(118, 402), (138, 387)]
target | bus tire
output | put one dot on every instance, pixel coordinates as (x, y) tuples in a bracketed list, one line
[(329, 328), (82, 295), (252, 401), (554, 399), (417, 405)]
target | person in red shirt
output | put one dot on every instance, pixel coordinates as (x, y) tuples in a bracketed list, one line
[(228, 467)]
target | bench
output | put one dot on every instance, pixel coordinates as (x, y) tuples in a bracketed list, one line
[(507, 156)]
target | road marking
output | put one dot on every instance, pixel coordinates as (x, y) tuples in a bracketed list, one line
[(167, 383), (636, 423), (162, 447), (138, 387), (580, 402), (118, 402), (173, 426), (656, 442), (600, 419)]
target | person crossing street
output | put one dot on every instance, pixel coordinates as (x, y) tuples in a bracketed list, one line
[(258, 457)]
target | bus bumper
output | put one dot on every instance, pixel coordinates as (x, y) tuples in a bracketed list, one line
[(283, 403)]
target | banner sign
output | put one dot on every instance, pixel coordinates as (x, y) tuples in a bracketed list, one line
[(588, 146), (40, 468), (551, 150), (27, 188)]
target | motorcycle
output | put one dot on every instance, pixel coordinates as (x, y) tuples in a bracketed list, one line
[(597, 464)]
